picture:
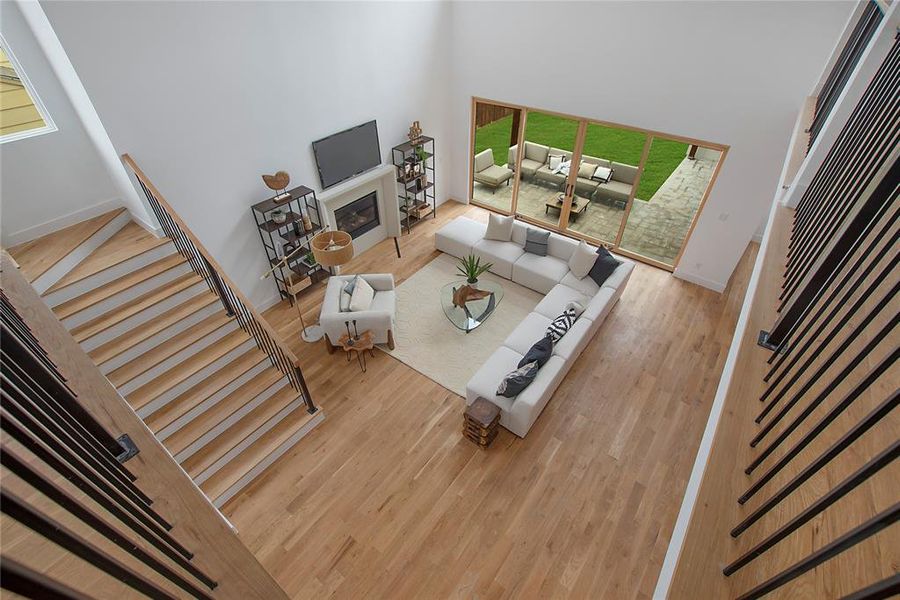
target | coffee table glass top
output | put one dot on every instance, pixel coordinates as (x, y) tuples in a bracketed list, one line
[(476, 310)]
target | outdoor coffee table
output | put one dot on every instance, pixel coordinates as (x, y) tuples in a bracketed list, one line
[(474, 312), (574, 212)]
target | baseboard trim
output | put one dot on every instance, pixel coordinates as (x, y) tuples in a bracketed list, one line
[(716, 286), (150, 227), (41, 229)]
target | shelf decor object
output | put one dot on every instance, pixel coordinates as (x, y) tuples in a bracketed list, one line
[(276, 182), (286, 226), (414, 161)]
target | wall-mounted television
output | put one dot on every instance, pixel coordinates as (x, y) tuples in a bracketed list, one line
[(347, 153)]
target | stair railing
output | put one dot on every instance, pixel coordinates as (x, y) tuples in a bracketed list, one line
[(235, 303)]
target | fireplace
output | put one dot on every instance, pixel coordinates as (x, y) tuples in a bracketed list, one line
[(359, 216)]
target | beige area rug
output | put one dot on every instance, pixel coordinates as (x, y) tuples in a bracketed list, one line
[(429, 343)]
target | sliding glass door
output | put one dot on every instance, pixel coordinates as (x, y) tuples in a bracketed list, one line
[(635, 191)]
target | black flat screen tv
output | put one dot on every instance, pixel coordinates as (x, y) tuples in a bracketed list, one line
[(347, 153)]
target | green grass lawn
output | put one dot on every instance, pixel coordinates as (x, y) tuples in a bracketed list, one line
[(619, 145)]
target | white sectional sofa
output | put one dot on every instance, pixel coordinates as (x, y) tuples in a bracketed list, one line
[(550, 276)]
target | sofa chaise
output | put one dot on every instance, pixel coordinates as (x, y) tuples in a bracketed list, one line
[(548, 275)]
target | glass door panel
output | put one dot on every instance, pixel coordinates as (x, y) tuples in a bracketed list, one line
[(545, 165), (493, 164), (606, 177), (673, 183)]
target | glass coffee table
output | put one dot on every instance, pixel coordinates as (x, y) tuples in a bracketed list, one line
[(475, 311)]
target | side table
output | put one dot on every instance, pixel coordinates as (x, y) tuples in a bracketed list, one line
[(481, 422), (365, 341)]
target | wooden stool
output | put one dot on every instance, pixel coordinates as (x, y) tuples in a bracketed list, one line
[(481, 422)]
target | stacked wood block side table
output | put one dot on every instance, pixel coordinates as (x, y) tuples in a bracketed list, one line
[(481, 422)]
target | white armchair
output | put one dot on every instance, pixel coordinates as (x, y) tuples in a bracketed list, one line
[(379, 318)]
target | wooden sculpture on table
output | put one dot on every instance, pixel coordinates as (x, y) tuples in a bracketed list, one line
[(276, 182), (465, 293)]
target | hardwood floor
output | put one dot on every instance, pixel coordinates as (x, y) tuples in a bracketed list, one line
[(386, 499)]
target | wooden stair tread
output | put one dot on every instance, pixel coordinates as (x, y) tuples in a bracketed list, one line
[(170, 347), (226, 407), (241, 464), (238, 431), (145, 331), (128, 242), (92, 297), (133, 307), (38, 256), (167, 414), (166, 381)]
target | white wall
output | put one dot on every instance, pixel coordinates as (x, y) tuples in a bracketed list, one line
[(51, 180), (735, 73), (206, 96)]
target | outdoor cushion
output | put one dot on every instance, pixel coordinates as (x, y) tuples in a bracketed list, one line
[(602, 174), (484, 159), (499, 227), (624, 173), (586, 170), (565, 153), (502, 254), (555, 161), (529, 166), (458, 236), (494, 176), (556, 299), (536, 152), (539, 273), (600, 162), (530, 329)]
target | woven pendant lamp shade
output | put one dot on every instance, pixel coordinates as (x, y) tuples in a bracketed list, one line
[(332, 248)]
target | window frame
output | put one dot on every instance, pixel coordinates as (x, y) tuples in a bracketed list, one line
[(49, 125)]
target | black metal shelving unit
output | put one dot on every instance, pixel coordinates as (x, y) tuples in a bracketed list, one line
[(289, 235), (414, 161)]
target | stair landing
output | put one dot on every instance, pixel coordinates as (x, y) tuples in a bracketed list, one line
[(39, 255), (127, 243)]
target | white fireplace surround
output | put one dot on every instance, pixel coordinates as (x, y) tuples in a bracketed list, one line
[(381, 180)]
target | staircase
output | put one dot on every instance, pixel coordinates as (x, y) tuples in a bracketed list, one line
[(162, 336)]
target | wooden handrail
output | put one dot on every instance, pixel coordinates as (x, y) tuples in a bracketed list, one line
[(126, 158)]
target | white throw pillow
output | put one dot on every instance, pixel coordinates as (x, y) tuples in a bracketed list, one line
[(499, 228), (555, 161), (582, 260), (345, 301), (362, 297)]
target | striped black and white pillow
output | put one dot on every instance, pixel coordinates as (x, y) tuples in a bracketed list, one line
[(561, 324)]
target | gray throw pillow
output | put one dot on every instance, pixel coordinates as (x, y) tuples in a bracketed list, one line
[(603, 266), (351, 285), (516, 381), (536, 241), (539, 353)]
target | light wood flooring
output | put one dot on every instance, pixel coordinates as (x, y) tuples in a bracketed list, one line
[(386, 499)]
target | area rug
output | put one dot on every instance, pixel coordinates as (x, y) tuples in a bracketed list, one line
[(427, 341)]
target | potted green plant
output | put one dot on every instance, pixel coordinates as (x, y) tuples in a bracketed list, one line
[(421, 155), (470, 267)]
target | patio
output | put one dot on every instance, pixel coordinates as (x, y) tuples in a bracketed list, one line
[(655, 229)]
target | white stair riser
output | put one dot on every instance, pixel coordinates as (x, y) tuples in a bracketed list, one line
[(245, 443), (177, 358), (114, 272), (81, 252), (85, 315), (143, 316), (210, 402), (154, 340), (229, 420), (194, 379), (264, 464)]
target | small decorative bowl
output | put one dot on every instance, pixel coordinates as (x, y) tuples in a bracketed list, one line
[(279, 216)]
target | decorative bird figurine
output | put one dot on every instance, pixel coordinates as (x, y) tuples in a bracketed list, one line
[(278, 181)]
